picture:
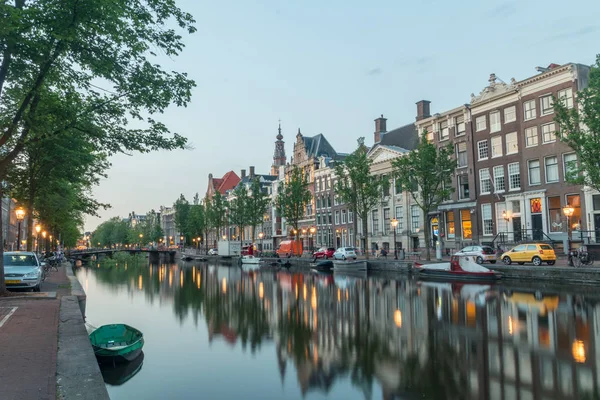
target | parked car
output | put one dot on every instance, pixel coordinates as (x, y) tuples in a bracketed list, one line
[(535, 253), (22, 270), (344, 253), (213, 252), (481, 253), (324, 252)]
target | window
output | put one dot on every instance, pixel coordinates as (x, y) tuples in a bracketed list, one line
[(531, 136), (397, 186), (318, 205), (465, 217), (510, 114), (546, 105), (385, 185), (480, 123), (461, 154), (574, 201), (551, 164), (343, 216), (514, 176), (483, 149), (570, 165), (309, 210), (386, 221), (485, 182), (554, 214), (501, 223), (512, 144), (529, 110), (350, 216), (330, 218), (566, 97), (415, 217), (548, 133), (375, 221), (495, 125), (444, 132), (534, 172), (460, 126), (488, 222), (496, 146), (400, 219), (337, 217), (450, 225), (463, 187), (499, 184)]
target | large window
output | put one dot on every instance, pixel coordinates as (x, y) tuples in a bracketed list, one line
[(385, 185), (375, 221), (460, 126), (510, 114), (400, 219), (570, 164), (444, 132), (344, 216), (534, 172), (499, 183), (514, 176), (566, 97), (350, 216), (548, 133), (551, 164), (465, 218), (337, 217), (529, 110), (397, 187), (461, 154), (531, 136), (495, 125), (480, 123), (386, 221), (415, 217), (554, 214), (496, 146), (488, 222), (485, 182), (574, 201), (546, 105), (501, 223), (463, 187), (451, 232), (482, 148)]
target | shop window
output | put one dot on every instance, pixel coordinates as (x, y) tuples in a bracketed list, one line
[(574, 200), (450, 224), (554, 214), (465, 217), (536, 205)]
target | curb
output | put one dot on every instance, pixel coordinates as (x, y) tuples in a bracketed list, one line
[(32, 296)]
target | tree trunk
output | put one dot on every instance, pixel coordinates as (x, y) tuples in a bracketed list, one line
[(355, 227), (366, 234), (2, 283), (427, 233), (29, 206)]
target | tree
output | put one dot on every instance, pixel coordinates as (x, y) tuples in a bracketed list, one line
[(216, 210), (238, 210), (53, 54), (258, 202), (293, 197), (182, 214), (357, 187), (197, 221), (426, 173), (579, 127)]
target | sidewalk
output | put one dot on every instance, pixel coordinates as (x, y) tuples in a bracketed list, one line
[(29, 342)]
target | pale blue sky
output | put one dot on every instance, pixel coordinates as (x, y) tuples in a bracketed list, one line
[(332, 67)]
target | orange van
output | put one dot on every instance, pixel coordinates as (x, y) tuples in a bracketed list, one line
[(288, 248)]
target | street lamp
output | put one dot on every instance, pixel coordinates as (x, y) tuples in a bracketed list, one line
[(506, 218), (181, 242), (261, 236), (38, 228), (394, 223), (141, 236), (568, 211), (312, 234), (20, 216)]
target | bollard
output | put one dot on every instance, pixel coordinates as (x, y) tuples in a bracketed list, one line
[(438, 250)]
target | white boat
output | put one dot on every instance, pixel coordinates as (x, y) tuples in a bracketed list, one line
[(250, 260), (350, 266), (462, 268)]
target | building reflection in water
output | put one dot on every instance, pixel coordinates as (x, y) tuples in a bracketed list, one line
[(436, 340)]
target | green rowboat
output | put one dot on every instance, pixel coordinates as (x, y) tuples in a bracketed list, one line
[(117, 343)]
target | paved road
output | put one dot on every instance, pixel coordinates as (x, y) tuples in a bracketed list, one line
[(28, 343)]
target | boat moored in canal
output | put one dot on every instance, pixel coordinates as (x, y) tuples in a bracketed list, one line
[(116, 343), (326, 265), (118, 374), (461, 268), (350, 266), (250, 259)]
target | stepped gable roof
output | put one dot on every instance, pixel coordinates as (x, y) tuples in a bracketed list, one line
[(405, 137)]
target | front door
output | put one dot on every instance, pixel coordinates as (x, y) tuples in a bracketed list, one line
[(516, 229), (597, 227), (537, 227)]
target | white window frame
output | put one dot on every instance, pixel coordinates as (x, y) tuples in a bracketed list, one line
[(554, 166), (565, 163), (482, 173), (495, 126), (480, 148), (465, 152), (487, 219), (537, 136), (566, 97), (444, 130), (350, 216), (546, 109), (497, 146), (510, 114), (337, 217), (529, 110), (480, 123), (511, 143), (539, 168), (499, 185), (460, 122), (343, 216), (415, 217), (552, 133), (511, 174), (399, 218)]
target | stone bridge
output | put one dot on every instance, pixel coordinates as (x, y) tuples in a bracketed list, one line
[(153, 254)]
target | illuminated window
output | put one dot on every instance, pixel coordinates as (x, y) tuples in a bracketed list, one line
[(554, 214), (465, 217), (574, 200), (536, 205), (450, 224)]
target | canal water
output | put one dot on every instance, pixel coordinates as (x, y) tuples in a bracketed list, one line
[(223, 332)]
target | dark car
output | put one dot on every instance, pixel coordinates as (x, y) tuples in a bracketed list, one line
[(324, 252)]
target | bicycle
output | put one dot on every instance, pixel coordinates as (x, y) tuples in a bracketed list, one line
[(581, 257)]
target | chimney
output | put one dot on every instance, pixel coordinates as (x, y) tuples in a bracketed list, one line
[(243, 174), (252, 172), (380, 129), (423, 109)]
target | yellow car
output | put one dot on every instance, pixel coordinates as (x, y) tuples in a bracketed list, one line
[(535, 253)]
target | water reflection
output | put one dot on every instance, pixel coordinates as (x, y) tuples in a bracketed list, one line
[(381, 338)]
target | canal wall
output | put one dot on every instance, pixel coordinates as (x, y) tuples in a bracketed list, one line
[(555, 274), (78, 375)]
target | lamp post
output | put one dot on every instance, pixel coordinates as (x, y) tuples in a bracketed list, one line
[(506, 218), (394, 223), (170, 240), (261, 236), (181, 242), (20, 216), (141, 237), (38, 229), (568, 211), (312, 231)]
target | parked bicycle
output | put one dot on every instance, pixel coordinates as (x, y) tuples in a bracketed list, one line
[(581, 257)]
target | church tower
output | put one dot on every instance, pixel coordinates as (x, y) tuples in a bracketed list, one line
[(279, 158)]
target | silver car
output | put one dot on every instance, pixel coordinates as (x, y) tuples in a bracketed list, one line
[(344, 253), (22, 270)]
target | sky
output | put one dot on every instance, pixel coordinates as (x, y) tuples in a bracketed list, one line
[(332, 67)]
